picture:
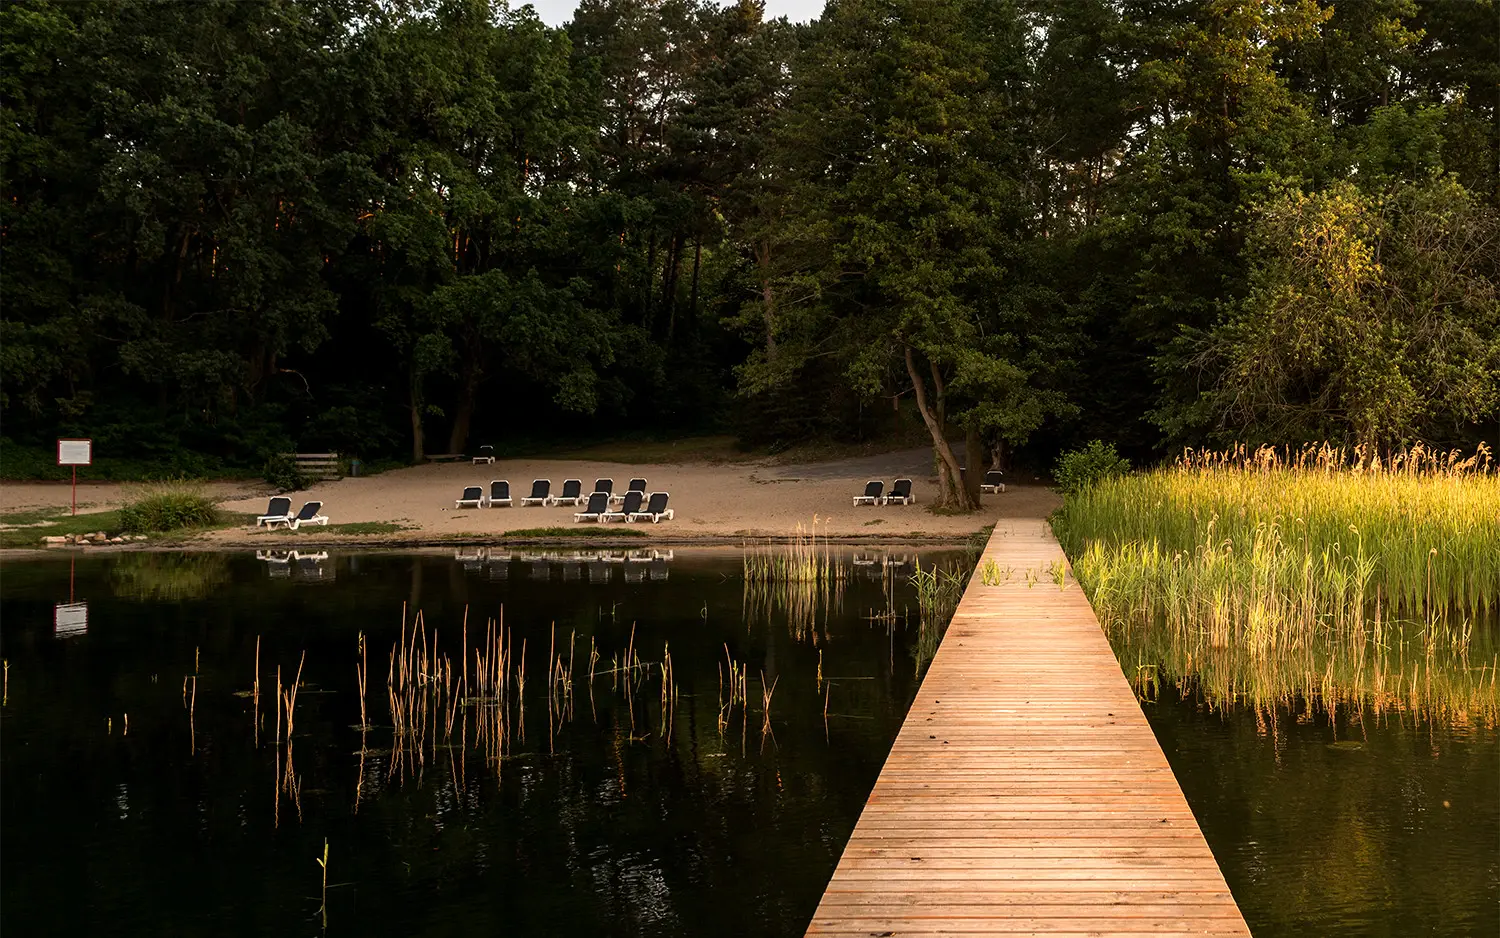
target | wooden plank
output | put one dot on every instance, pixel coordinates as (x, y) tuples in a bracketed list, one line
[(1025, 792)]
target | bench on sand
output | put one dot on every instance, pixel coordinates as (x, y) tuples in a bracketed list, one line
[(318, 465)]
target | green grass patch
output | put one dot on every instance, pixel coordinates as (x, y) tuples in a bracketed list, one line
[(54, 523), (593, 531), (57, 522), (351, 527), (33, 516)]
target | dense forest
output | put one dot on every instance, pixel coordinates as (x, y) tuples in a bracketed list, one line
[(398, 227)]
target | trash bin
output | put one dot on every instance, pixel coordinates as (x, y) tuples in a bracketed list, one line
[(354, 467)]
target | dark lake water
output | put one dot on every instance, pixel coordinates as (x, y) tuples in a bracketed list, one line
[(1341, 826), (144, 791), (610, 817)]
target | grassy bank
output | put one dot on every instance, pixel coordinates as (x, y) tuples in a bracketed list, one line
[(172, 509), (1323, 574)]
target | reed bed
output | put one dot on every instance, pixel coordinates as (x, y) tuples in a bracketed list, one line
[(804, 559), (1419, 532), (803, 581), (1328, 573), (938, 593), (433, 699)]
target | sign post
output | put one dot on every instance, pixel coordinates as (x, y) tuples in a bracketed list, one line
[(75, 453)]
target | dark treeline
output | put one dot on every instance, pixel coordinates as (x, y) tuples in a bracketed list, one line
[(397, 227)]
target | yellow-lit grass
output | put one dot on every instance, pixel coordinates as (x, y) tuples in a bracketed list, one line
[(1261, 534), (1328, 574)]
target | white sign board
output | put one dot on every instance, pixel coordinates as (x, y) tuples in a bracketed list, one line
[(75, 452), (70, 619)]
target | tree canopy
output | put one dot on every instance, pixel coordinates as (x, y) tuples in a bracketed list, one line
[(230, 229)]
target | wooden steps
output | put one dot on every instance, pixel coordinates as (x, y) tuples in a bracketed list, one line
[(1025, 793)]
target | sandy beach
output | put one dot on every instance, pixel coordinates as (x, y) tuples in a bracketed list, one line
[(712, 502)]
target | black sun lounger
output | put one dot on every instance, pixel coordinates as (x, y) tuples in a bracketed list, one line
[(473, 497), (594, 510), (992, 483), (310, 513), (630, 506), (539, 490), (278, 512), (500, 494), (636, 485), (656, 510), (900, 493), (873, 489), (572, 493)]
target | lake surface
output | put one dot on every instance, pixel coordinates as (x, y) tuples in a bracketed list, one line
[(624, 811), (1369, 806), (1333, 826), (146, 792)]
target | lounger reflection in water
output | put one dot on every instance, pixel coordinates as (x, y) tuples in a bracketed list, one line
[(279, 511), (279, 562), (594, 510), (656, 510)]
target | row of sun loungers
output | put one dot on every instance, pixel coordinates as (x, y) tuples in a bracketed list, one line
[(279, 511), (656, 509), (900, 493), (596, 505)]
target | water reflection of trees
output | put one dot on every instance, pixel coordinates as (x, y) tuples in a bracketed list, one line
[(175, 577)]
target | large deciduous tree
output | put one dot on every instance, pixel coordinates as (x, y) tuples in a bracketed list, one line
[(1372, 318)]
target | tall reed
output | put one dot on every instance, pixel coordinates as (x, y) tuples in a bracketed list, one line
[(802, 580), (1333, 574), (1420, 530)]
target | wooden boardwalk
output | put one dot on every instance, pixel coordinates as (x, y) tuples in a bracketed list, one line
[(1025, 793)]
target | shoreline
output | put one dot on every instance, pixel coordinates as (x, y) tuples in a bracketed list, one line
[(714, 504), (391, 543)]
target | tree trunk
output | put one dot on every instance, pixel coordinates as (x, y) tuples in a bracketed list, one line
[(973, 446), (414, 397), (697, 261), (952, 493), (463, 410), (650, 280), (767, 295), (997, 455), (669, 283)]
